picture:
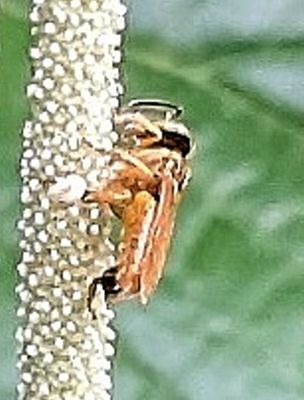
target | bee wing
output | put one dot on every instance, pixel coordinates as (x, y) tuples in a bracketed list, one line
[(138, 219), (148, 228), (159, 239)]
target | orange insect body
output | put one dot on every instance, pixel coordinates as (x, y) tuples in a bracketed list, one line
[(148, 179)]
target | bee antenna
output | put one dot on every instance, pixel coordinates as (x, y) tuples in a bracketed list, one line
[(156, 103)]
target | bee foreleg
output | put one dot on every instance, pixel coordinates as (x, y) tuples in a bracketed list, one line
[(108, 195)]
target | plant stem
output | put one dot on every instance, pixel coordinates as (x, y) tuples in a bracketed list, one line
[(64, 352)]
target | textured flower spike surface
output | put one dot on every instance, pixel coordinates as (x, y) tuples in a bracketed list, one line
[(64, 351)]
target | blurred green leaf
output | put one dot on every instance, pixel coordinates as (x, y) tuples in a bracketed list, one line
[(227, 320)]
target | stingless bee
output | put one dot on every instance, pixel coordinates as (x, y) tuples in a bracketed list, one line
[(148, 178)]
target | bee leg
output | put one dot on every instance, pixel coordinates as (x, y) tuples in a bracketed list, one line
[(108, 195), (138, 126), (109, 284)]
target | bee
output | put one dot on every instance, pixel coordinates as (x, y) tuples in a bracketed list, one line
[(148, 177)]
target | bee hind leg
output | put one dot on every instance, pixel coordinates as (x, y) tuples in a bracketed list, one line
[(108, 283)]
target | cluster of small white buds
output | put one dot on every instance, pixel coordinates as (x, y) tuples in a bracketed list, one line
[(64, 352)]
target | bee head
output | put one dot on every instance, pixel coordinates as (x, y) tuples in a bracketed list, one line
[(175, 135)]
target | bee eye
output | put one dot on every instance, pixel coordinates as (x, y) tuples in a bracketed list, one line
[(174, 140)]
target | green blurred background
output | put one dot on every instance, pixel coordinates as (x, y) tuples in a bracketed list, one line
[(227, 321)]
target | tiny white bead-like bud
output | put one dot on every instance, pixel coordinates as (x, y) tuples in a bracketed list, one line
[(35, 53), (48, 358), (55, 48), (32, 350), (59, 70), (50, 28), (47, 62), (44, 389), (48, 84)]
